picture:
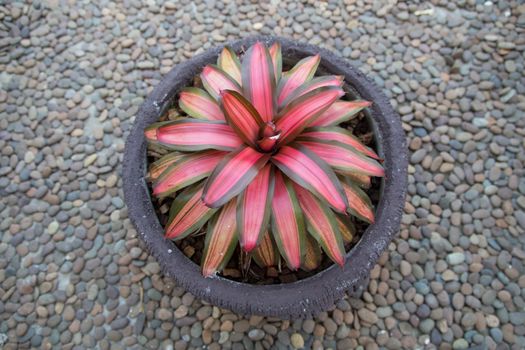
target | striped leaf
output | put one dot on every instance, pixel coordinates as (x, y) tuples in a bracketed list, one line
[(288, 222), (241, 116), (346, 227), (322, 225), (266, 253), (232, 175), (258, 80), (340, 111), (315, 83), (340, 135), (215, 80), (229, 63), (302, 72), (277, 60), (186, 171), (253, 208), (359, 203), (312, 257), (302, 111), (343, 158), (308, 170), (188, 213), (197, 103), (220, 241), (159, 166), (188, 134)]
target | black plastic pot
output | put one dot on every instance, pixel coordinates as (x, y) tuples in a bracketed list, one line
[(304, 297)]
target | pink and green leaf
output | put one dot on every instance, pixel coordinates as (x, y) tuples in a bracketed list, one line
[(253, 208), (302, 72), (340, 111), (359, 203), (322, 225), (158, 167), (221, 239), (343, 158), (315, 83), (188, 134), (188, 213), (197, 103), (306, 169), (340, 135), (187, 171), (242, 116), (234, 172), (229, 63), (299, 114), (266, 253), (258, 80), (277, 60), (216, 80), (288, 222)]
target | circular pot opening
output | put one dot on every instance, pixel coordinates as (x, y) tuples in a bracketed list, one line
[(303, 297)]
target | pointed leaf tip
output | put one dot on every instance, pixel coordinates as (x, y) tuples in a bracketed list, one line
[(343, 158), (221, 239), (186, 171), (302, 72), (340, 111), (253, 208), (337, 134), (229, 63), (188, 213), (322, 225), (360, 205), (188, 134), (215, 80), (258, 80), (197, 103), (288, 222), (299, 114)]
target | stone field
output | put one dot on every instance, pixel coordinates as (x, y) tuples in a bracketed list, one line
[(74, 274)]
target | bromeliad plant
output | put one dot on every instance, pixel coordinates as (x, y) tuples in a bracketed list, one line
[(260, 159)]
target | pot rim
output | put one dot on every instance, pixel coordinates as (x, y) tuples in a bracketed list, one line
[(297, 299)]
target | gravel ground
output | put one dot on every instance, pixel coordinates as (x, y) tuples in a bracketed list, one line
[(73, 273)]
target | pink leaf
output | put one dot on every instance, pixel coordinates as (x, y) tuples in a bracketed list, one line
[(258, 80), (303, 71), (253, 209), (189, 134), (344, 158), (287, 222), (198, 104), (232, 175), (302, 112), (241, 116), (306, 169), (215, 80)]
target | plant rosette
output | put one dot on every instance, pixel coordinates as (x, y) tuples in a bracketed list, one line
[(259, 160)]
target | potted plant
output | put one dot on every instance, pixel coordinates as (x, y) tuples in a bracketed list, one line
[(246, 153)]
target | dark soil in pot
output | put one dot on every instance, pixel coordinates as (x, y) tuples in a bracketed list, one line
[(285, 300)]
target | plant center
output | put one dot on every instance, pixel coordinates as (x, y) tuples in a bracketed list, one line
[(268, 137)]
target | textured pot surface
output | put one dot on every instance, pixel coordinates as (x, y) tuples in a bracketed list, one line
[(291, 300)]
